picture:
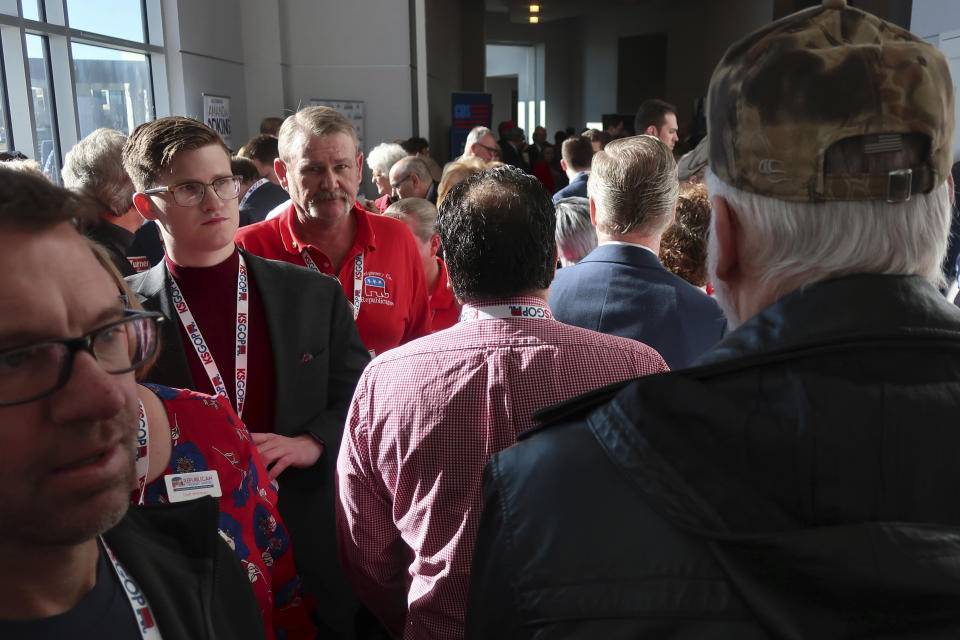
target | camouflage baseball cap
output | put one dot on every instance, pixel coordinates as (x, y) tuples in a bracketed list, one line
[(782, 96)]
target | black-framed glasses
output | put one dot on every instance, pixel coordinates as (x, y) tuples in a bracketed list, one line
[(187, 194), (33, 371), (493, 150), (397, 186)]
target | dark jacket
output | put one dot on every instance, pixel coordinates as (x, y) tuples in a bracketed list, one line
[(318, 357), (261, 202), (115, 241), (195, 584), (800, 482), (576, 188), (625, 291)]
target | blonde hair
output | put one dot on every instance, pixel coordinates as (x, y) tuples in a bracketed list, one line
[(314, 121), (459, 170)]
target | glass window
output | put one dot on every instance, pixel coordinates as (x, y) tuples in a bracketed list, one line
[(46, 150), (31, 9), (117, 18), (113, 88)]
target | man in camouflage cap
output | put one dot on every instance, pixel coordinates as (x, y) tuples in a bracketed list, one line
[(799, 480)]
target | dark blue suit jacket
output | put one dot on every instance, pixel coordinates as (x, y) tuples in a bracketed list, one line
[(578, 187), (625, 291)]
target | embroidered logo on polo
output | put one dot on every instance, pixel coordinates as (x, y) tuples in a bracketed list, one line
[(378, 288)]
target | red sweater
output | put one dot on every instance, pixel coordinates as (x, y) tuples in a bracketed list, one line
[(211, 294)]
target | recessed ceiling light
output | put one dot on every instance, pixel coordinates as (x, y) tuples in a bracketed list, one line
[(534, 19), (534, 8)]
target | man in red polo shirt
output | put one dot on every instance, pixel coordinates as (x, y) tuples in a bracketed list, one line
[(420, 216), (375, 258)]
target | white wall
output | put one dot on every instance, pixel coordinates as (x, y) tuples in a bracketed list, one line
[(358, 50), (931, 17), (939, 22), (205, 55), (273, 56)]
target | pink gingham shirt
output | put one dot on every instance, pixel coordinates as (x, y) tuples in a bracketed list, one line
[(425, 419)]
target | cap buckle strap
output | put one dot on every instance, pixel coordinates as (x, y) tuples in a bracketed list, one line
[(899, 185)]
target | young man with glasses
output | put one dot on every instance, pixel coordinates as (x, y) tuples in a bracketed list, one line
[(74, 561), (277, 340)]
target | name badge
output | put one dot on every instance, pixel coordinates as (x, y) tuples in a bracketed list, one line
[(190, 486)]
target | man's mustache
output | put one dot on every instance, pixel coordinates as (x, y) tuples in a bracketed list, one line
[(322, 196)]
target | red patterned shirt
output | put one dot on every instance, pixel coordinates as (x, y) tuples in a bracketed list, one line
[(206, 434), (425, 419)]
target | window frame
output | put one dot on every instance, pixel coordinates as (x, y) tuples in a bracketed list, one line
[(59, 38)]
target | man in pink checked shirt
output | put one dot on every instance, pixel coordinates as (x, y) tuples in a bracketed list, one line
[(427, 416)]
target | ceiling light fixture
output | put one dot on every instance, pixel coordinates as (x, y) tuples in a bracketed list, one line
[(534, 19), (534, 8)]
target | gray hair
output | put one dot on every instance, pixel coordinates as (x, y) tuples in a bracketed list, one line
[(383, 156), (95, 166), (421, 210), (313, 121), (794, 244), (476, 135), (575, 234), (413, 165), (633, 182)]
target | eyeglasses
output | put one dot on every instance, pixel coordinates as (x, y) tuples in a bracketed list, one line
[(37, 370), (188, 194), (492, 150), (397, 186)]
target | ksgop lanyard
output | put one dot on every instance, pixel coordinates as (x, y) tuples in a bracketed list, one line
[(520, 310), (256, 185), (200, 345), (138, 601), (357, 278), (143, 461)]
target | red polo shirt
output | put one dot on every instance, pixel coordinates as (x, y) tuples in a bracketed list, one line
[(393, 308), (444, 310)]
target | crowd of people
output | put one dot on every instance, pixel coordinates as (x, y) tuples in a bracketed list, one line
[(527, 394)]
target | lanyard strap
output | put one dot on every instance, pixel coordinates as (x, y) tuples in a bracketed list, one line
[(357, 278), (138, 601), (256, 185), (143, 460), (200, 345), (526, 310)]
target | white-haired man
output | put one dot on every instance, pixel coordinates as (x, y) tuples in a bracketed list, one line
[(800, 481), (94, 167), (481, 144), (620, 287)]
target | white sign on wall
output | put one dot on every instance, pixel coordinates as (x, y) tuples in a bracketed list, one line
[(216, 115), (352, 109)]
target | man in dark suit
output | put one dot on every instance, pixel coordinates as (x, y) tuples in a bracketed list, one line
[(258, 196), (620, 287), (512, 145), (576, 156), (277, 340)]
